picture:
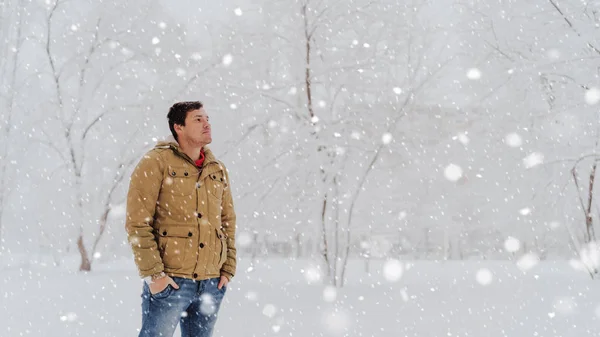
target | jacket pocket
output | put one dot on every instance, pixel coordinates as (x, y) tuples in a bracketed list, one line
[(180, 181), (222, 241), (174, 244), (163, 293), (215, 184)]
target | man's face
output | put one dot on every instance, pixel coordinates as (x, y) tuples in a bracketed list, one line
[(197, 128)]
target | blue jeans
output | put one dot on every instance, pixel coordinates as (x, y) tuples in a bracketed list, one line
[(194, 306)]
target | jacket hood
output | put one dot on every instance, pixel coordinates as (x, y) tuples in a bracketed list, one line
[(170, 142), (166, 142)]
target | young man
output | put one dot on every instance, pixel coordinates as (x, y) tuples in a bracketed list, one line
[(181, 226)]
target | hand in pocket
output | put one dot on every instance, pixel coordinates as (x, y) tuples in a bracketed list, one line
[(162, 284)]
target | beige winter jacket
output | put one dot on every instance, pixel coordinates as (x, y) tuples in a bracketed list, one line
[(181, 219)]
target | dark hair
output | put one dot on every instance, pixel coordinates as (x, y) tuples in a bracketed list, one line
[(178, 112)]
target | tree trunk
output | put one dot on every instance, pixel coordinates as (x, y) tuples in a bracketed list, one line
[(86, 264), (325, 241), (298, 246)]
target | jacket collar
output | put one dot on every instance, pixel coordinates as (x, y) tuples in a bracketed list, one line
[(169, 142)]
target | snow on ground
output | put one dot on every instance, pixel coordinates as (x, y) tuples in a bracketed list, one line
[(277, 297)]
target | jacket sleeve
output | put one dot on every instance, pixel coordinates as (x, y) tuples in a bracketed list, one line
[(144, 187), (228, 222)]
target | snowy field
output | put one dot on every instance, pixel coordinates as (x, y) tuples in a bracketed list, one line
[(281, 298)]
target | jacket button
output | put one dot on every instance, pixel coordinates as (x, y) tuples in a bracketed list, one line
[(214, 177), (199, 215), (201, 245), (173, 173), (195, 275), (185, 174), (190, 234), (165, 233)]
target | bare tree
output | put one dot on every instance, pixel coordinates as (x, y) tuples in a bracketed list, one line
[(89, 111), (11, 30), (332, 75)]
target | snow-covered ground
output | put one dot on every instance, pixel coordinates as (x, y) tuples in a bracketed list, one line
[(278, 297)]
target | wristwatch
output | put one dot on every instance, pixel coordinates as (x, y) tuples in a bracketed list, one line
[(150, 279)]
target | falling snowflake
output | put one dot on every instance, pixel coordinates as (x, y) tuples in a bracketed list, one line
[(392, 270), (473, 74), (244, 239), (227, 59), (312, 274), (252, 296), (118, 211), (533, 159), (512, 244), (453, 172), (70, 317), (484, 276), (554, 224), (208, 305), (527, 261), (525, 211), (155, 40), (269, 310), (513, 140), (590, 255), (463, 138), (397, 90), (238, 11), (386, 138), (592, 96)]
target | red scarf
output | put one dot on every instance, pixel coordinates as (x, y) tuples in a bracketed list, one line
[(201, 160)]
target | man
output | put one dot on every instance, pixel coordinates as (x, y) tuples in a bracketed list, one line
[(181, 226)]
